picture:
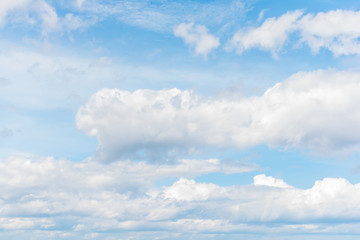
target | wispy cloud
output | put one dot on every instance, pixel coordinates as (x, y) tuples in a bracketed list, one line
[(58, 78), (41, 13), (7, 6), (164, 15)]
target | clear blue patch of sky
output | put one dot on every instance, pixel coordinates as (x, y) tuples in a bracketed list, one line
[(296, 167), (48, 133), (279, 7)]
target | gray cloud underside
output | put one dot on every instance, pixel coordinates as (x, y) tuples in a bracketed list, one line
[(310, 110)]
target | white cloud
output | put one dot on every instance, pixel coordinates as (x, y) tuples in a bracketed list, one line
[(188, 190), (197, 37), (52, 23), (41, 13), (164, 15), (271, 35), (42, 194), (7, 6), (278, 201), (79, 3), (312, 110), (263, 180), (25, 223), (126, 122), (48, 15), (261, 15), (19, 173), (337, 31)]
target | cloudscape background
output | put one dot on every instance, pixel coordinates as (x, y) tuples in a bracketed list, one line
[(180, 119)]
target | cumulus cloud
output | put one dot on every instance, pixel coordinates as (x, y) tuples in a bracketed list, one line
[(189, 190), (270, 36), (146, 120), (263, 180), (46, 196), (336, 31), (312, 110), (197, 37), (269, 200)]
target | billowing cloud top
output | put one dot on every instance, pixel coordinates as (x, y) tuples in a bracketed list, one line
[(314, 110)]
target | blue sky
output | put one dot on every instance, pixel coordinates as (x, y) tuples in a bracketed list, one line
[(179, 119)]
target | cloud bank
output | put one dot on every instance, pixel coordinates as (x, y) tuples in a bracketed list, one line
[(310, 110), (60, 199)]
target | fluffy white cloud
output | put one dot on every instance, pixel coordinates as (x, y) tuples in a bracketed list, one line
[(314, 110), (271, 35), (197, 36), (263, 180), (337, 31), (79, 199), (189, 190), (126, 122), (271, 201)]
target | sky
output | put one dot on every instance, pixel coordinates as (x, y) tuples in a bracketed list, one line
[(180, 119)]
